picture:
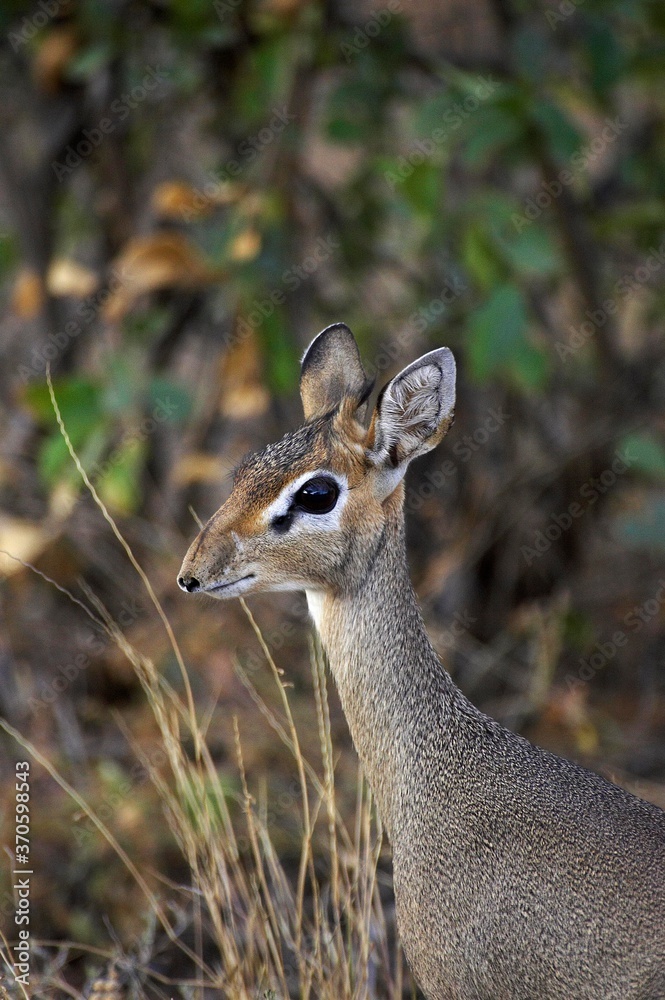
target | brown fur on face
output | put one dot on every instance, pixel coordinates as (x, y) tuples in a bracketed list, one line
[(238, 541), (240, 550)]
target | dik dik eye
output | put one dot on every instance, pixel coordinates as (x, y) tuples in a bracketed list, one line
[(318, 496)]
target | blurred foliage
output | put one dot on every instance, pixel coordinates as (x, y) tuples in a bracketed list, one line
[(190, 189), (409, 127)]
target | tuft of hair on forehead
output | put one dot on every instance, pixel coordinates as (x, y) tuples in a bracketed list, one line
[(294, 449), (335, 440)]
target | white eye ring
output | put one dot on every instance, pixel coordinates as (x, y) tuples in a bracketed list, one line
[(292, 503)]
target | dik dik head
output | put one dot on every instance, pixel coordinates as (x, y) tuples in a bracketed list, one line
[(308, 512)]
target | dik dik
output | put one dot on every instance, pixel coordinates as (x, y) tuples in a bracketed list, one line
[(518, 875)]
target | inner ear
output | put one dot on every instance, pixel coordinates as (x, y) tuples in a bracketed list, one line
[(331, 372), (414, 411)]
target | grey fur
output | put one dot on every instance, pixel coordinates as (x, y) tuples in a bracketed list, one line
[(518, 874)]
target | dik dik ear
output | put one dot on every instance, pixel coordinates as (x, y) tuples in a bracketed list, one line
[(413, 413), (331, 371)]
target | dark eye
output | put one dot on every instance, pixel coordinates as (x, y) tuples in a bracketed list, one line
[(318, 496)]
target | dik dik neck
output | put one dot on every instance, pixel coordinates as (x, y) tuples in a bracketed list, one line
[(386, 670)]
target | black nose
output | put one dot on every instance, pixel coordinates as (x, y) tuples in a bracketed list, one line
[(188, 583)]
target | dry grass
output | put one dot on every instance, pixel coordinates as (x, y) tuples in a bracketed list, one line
[(255, 928)]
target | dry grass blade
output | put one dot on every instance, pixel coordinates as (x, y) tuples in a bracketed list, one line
[(272, 928), (309, 939), (53, 583), (275, 724), (323, 721), (132, 558), (105, 832)]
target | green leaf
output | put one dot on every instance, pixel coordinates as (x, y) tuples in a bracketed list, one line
[(119, 484), (606, 57), (562, 137), (55, 462), (496, 331), (577, 629), (9, 253), (635, 215), (530, 367), (533, 253), (488, 131), (265, 80), (169, 400), (81, 404), (497, 342), (430, 114), (89, 62), (79, 400), (351, 112), (480, 256), (282, 366), (345, 130), (645, 528), (190, 15), (422, 188), (645, 453)]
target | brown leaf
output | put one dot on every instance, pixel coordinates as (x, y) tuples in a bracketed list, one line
[(148, 263), (62, 501), (53, 56), (66, 277), (242, 393), (246, 245), (28, 296), (23, 539), (181, 201), (198, 467), (243, 402)]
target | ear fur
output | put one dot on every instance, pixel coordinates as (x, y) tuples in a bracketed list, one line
[(412, 415), (331, 371)]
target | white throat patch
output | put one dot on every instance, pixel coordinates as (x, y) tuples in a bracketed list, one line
[(315, 605)]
